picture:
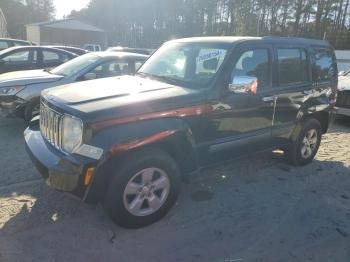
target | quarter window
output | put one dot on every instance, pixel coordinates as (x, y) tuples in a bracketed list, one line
[(292, 64), (324, 68), (254, 63)]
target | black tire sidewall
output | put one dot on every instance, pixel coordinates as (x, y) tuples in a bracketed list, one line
[(134, 163)]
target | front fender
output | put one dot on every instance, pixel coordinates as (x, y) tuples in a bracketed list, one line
[(170, 134)]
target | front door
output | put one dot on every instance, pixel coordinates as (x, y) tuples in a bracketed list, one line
[(241, 121)]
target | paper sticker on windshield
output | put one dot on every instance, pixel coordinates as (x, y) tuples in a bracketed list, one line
[(210, 55)]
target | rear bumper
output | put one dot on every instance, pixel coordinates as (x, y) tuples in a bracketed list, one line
[(61, 172), (11, 106)]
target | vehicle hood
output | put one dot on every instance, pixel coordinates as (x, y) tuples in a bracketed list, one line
[(27, 77), (343, 83), (118, 96)]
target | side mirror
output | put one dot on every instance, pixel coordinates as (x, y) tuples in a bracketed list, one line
[(341, 73), (244, 85), (90, 76)]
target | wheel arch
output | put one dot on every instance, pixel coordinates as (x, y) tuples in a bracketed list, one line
[(177, 142)]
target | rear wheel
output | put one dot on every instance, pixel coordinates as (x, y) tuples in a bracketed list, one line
[(143, 189), (305, 145)]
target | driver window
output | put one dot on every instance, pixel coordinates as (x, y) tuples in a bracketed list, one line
[(254, 63)]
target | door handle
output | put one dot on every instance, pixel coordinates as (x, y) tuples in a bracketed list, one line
[(268, 98)]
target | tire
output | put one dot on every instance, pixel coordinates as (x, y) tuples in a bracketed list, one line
[(137, 168), (32, 109), (302, 151)]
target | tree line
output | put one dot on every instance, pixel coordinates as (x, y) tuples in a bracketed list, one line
[(148, 23), (18, 13)]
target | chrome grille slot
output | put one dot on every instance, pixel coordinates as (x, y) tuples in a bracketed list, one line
[(50, 125)]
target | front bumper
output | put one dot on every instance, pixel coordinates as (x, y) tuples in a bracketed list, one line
[(60, 171), (11, 106)]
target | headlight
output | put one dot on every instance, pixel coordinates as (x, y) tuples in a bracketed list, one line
[(10, 90), (72, 133)]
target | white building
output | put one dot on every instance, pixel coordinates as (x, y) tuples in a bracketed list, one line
[(69, 32)]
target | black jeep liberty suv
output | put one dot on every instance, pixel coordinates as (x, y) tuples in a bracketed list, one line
[(129, 141)]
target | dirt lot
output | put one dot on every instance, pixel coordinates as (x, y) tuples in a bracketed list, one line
[(260, 210)]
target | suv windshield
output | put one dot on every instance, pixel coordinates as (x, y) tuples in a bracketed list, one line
[(186, 64), (75, 65)]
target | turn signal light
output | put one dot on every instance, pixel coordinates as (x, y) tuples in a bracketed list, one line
[(88, 175)]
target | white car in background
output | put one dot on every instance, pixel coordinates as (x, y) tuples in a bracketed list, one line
[(343, 101)]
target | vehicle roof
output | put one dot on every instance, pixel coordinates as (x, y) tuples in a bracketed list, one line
[(64, 46), (15, 40), (265, 39), (119, 54), (36, 47)]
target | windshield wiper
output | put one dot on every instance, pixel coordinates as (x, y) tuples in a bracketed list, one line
[(167, 79)]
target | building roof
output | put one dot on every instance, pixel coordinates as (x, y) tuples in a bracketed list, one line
[(70, 24)]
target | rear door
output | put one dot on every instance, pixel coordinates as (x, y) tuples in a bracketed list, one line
[(294, 92)]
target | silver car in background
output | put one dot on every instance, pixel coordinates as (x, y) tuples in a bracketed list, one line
[(20, 91), (343, 101)]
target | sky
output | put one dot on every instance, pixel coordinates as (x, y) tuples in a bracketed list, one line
[(64, 7)]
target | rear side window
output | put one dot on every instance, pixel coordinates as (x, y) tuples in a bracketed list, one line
[(292, 64), (49, 56), (324, 68)]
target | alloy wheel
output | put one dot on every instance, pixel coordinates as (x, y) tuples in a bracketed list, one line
[(146, 191), (309, 143)]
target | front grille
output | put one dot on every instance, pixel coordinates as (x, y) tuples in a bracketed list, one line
[(50, 125), (343, 99)]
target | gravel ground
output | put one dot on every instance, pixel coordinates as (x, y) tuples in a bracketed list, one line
[(248, 210)]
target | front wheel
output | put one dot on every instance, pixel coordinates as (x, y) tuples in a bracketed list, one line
[(143, 189), (305, 145)]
